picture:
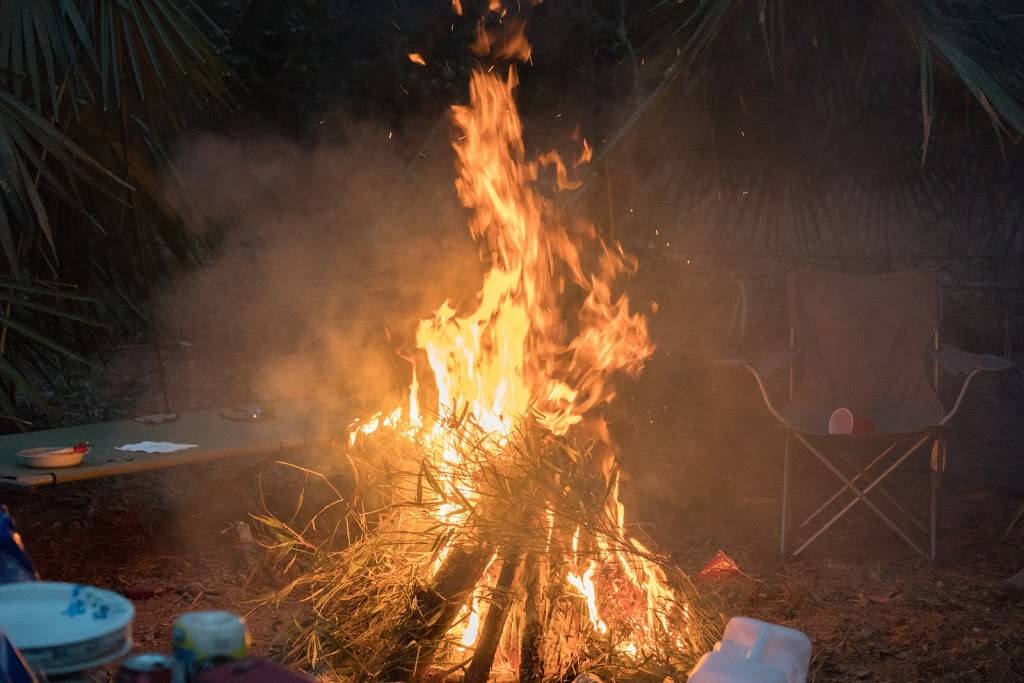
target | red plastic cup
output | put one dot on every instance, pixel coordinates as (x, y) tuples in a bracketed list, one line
[(844, 421)]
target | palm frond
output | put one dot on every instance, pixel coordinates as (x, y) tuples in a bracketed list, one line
[(981, 42), (90, 90), (27, 141), (986, 54), (151, 46), (39, 321), (796, 142), (37, 46)]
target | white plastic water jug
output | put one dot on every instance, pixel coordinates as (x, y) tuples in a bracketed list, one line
[(753, 651)]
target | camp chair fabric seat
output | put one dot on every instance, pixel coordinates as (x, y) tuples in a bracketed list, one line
[(292, 427), (862, 342), (870, 344)]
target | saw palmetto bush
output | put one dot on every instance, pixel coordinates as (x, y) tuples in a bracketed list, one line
[(90, 92), (884, 131)]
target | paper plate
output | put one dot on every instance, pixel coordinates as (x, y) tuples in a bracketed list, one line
[(157, 418), (66, 627), (51, 456), (250, 413)]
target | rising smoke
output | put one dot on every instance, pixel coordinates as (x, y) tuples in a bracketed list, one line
[(330, 253)]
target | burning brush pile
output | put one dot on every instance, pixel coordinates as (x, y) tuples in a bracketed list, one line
[(486, 540)]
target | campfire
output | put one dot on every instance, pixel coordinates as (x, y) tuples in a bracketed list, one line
[(487, 540)]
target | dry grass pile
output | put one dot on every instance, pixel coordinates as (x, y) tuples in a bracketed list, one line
[(469, 556)]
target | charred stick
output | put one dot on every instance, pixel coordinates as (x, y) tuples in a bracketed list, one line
[(531, 659), (494, 623), (421, 630)]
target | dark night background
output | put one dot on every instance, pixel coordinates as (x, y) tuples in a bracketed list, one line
[(285, 214)]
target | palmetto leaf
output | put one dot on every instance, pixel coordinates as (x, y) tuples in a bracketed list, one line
[(151, 46), (38, 317), (983, 42), (68, 314), (37, 46), (806, 111), (40, 337), (990, 66), (13, 375), (26, 140), (89, 90), (51, 291)]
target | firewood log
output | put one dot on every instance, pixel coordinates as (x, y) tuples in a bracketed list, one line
[(531, 659), (421, 629), (494, 622)]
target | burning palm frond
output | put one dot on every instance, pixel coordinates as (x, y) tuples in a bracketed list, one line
[(497, 545), (536, 576)]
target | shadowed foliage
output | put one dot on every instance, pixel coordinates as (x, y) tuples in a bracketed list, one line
[(90, 213), (881, 130)]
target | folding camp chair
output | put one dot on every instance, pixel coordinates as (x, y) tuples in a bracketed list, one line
[(863, 342)]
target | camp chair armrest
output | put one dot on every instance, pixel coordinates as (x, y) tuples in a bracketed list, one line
[(763, 364), (960, 362), (760, 368)]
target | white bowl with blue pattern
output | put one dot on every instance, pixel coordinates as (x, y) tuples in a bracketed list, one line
[(66, 627)]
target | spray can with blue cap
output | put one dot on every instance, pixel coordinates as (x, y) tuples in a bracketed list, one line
[(14, 563)]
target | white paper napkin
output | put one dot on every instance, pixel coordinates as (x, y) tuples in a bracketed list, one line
[(156, 447)]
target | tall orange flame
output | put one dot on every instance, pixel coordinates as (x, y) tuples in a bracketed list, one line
[(548, 331), (514, 351)]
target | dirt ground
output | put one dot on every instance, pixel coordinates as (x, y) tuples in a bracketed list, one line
[(873, 609)]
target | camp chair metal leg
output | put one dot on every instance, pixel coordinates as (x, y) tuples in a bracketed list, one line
[(1013, 523), (938, 466), (936, 455), (863, 473), (932, 503), (860, 495), (786, 472)]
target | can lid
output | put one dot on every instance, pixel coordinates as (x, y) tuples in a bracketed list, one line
[(148, 661), (209, 618)]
